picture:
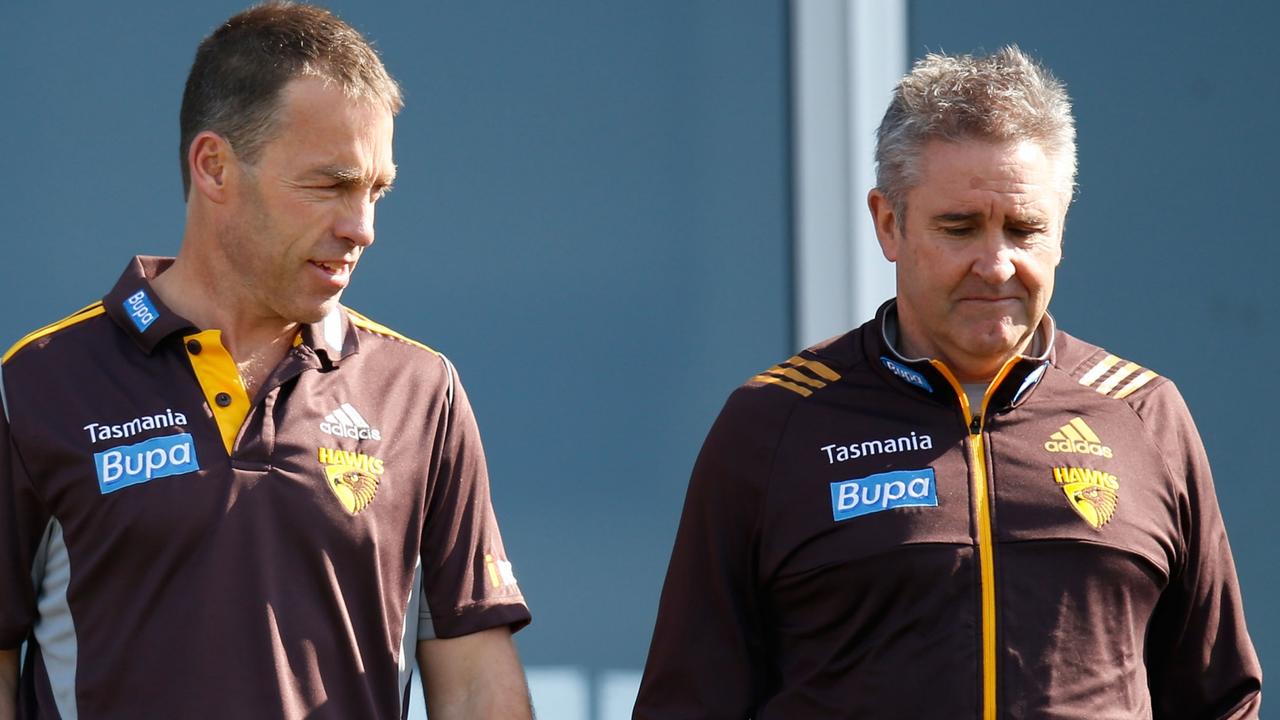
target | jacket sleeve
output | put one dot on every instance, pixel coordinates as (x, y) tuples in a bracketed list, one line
[(1200, 661), (706, 656)]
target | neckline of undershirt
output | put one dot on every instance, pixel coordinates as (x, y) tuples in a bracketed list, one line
[(975, 392)]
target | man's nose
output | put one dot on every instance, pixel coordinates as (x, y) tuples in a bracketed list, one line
[(356, 223), (994, 263)]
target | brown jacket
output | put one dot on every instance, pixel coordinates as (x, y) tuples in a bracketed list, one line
[(857, 543)]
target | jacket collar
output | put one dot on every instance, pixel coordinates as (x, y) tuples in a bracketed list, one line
[(931, 378)]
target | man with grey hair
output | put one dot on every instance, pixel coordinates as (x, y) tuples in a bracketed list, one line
[(957, 509), (222, 493)]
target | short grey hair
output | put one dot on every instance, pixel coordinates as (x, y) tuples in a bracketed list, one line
[(1005, 96)]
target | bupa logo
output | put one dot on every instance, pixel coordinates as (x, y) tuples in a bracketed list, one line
[(883, 491), (140, 310), (906, 373), (120, 467)]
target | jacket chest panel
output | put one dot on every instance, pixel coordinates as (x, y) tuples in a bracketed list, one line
[(854, 487), (1075, 478)]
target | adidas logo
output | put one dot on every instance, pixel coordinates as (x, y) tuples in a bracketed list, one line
[(1077, 437), (347, 422)]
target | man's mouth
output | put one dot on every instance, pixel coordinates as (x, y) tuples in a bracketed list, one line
[(337, 270), (333, 267)]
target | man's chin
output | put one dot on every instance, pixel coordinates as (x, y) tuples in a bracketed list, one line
[(314, 313), (997, 345)]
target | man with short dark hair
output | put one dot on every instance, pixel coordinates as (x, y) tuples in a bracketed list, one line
[(956, 510), (222, 493)]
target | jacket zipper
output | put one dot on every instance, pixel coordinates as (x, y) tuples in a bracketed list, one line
[(975, 424)]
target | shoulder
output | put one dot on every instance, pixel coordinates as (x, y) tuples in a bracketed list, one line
[(66, 328), (381, 333), (1105, 373), (763, 404), (402, 353), (1122, 383)]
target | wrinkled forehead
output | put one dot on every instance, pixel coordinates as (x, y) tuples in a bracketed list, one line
[(1006, 166)]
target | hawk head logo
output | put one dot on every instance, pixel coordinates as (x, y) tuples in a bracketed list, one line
[(1093, 494), (1095, 504), (354, 489), (352, 476)]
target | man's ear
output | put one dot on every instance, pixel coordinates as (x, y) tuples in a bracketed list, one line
[(210, 160), (886, 222)]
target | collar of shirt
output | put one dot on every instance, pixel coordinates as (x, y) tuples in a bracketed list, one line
[(136, 307)]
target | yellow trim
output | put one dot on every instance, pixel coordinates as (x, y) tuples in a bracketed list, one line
[(365, 323), (1119, 375), (986, 539), (1136, 383), (826, 372), (84, 313), (955, 385), (803, 391), (1085, 430), (217, 372), (796, 375), (986, 563), (1099, 369)]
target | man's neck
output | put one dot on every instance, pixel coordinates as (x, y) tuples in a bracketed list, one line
[(256, 344), (966, 375)]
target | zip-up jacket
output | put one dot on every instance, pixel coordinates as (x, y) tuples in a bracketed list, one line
[(859, 542)]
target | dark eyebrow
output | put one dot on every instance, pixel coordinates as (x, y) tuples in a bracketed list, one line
[(350, 176)]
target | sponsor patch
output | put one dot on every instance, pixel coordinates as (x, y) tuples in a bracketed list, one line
[(1077, 437), (867, 448), (1093, 494), (120, 467), (498, 571), (883, 491), (140, 310), (352, 477), (906, 373), (99, 432)]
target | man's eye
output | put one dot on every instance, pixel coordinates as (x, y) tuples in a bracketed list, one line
[(1024, 232), (957, 231)]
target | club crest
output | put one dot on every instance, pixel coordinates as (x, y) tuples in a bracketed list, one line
[(1093, 494), (353, 477)]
